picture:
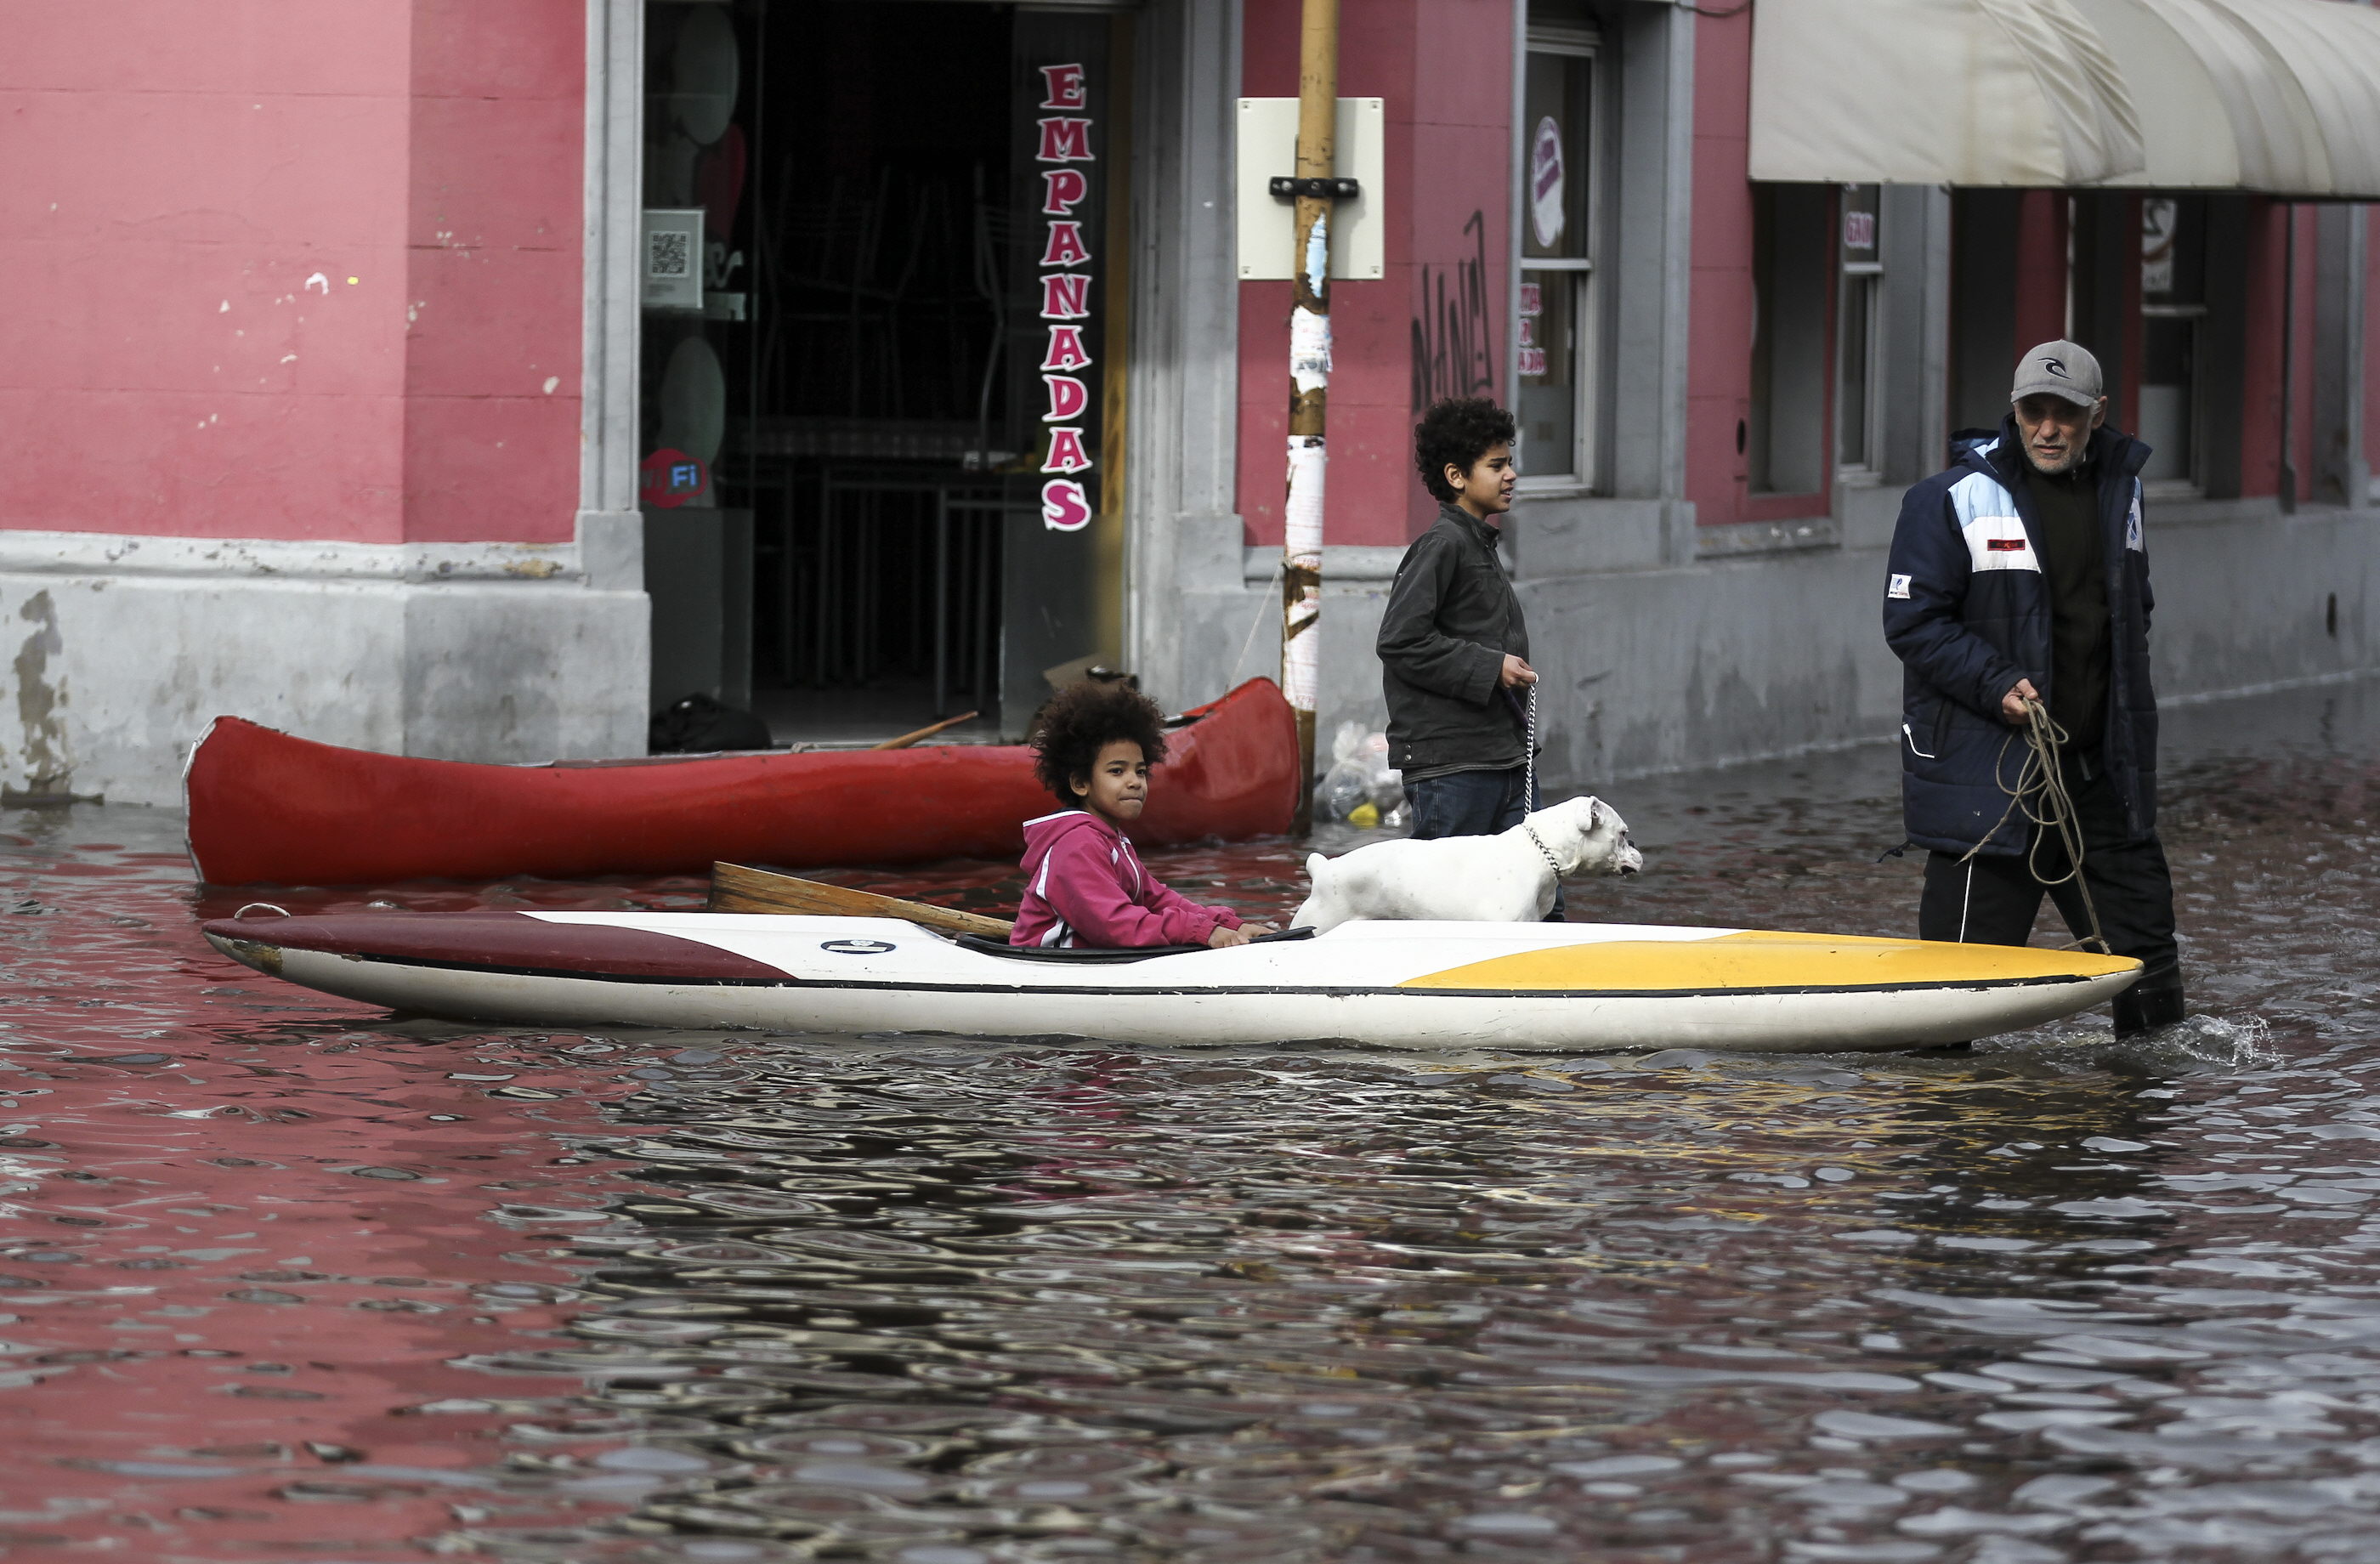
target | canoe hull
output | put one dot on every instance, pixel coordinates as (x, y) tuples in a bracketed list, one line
[(269, 808), (1410, 986)]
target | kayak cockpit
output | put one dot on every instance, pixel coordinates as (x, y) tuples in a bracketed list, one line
[(983, 945)]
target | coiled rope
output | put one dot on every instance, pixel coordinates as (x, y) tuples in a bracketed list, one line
[(2040, 791)]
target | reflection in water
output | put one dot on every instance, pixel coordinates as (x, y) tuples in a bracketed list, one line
[(285, 1279)]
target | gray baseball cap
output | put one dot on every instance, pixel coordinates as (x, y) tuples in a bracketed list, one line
[(2060, 369)]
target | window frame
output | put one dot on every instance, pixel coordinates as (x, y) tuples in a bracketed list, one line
[(2191, 483), (1579, 474), (1796, 245), (1861, 283)]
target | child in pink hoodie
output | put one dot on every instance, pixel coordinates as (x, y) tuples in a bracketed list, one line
[(1083, 885)]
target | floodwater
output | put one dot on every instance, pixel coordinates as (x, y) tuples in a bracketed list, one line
[(282, 1280)]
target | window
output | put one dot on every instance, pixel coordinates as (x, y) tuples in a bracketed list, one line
[(1792, 256), (2173, 314), (1554, 342), (1983, 226), (1858, 341)]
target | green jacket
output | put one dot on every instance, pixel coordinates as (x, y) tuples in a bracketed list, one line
[(1452, 618)]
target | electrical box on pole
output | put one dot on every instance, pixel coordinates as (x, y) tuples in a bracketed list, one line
[(1268, 147)]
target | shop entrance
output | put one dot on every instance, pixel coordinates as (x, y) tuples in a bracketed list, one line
[(882, 425)]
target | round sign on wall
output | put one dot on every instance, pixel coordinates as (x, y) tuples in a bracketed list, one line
[(1546, 183), (669, 478)]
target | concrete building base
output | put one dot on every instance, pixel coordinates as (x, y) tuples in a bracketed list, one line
[(119, 651), (1653, 665), (1664, 646)]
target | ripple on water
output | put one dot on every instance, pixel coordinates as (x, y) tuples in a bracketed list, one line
[(291, 1278)]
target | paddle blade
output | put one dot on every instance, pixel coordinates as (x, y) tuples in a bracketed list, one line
[(906, 740), (735, 889)]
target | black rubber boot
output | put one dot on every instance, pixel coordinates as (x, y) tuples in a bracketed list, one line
[(2139, 1008)]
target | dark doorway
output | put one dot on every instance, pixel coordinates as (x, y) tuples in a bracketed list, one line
[(881, 273), (1982, 305), (877, 490)]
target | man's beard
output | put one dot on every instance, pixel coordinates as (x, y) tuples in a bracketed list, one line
[(2066, 465)]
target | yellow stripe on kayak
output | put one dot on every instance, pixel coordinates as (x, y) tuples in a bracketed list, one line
[(1759, 959)]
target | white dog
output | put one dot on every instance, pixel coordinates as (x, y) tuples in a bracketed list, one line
[(1505, 879)]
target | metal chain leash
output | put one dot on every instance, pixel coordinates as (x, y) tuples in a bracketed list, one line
[(1529, 784)]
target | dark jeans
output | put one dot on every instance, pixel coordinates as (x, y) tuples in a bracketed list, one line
[(1474, 804), (1993, 900)]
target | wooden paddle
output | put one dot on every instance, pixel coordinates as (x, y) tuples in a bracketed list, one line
[(735, 889), (906, 740)]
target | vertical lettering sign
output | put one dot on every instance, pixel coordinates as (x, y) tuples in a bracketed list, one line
[(1065, 278)]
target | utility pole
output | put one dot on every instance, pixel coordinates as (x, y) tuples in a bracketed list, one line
[(1309, 376)]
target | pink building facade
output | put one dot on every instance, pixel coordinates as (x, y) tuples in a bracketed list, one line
[(476, 381), (1758, 370), (294, 388)]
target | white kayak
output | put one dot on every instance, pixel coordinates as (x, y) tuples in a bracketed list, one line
[(1566, 987)]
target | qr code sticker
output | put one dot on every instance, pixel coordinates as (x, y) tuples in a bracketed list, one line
[(669, 252)]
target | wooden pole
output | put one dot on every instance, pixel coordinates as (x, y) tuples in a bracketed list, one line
[(1309, 376)]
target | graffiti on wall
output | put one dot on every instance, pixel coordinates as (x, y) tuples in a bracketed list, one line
[(1453, 347)]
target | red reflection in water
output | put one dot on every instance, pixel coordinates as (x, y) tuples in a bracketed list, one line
[(254, 1229), (251, 1229)]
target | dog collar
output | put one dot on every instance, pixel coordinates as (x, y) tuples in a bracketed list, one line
[(1551, 862)]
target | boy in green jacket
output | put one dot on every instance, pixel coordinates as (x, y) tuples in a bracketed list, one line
[(1453, 646)]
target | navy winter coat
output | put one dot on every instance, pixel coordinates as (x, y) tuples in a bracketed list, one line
[(1967, 610)]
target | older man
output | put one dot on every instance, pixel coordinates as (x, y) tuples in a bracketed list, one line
[(2021, 575)]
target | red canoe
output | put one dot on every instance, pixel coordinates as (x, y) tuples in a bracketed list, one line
[(268, 808)]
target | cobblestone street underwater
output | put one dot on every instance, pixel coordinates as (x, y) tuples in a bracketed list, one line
[(284, 1280)]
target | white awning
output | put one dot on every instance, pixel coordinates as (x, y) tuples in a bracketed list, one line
[(1937, 93), (2280, 96), (2331, 49)]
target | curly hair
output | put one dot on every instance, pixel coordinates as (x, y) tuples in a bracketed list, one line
[(1083, 719), (1456, 434)]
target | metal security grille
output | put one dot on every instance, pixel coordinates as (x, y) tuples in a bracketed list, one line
[(877, 578)]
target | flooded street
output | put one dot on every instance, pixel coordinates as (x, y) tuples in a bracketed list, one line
[(282, 1280)]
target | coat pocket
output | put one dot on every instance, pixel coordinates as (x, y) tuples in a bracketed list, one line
[(1923, 726), (1979, 751)]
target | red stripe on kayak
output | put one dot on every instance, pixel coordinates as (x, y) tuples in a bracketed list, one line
[(506, 940)]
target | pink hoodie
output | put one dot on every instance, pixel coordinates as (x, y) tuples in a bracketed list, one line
[(1083, 885)]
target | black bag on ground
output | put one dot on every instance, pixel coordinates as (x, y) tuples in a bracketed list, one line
[(699, 725)]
